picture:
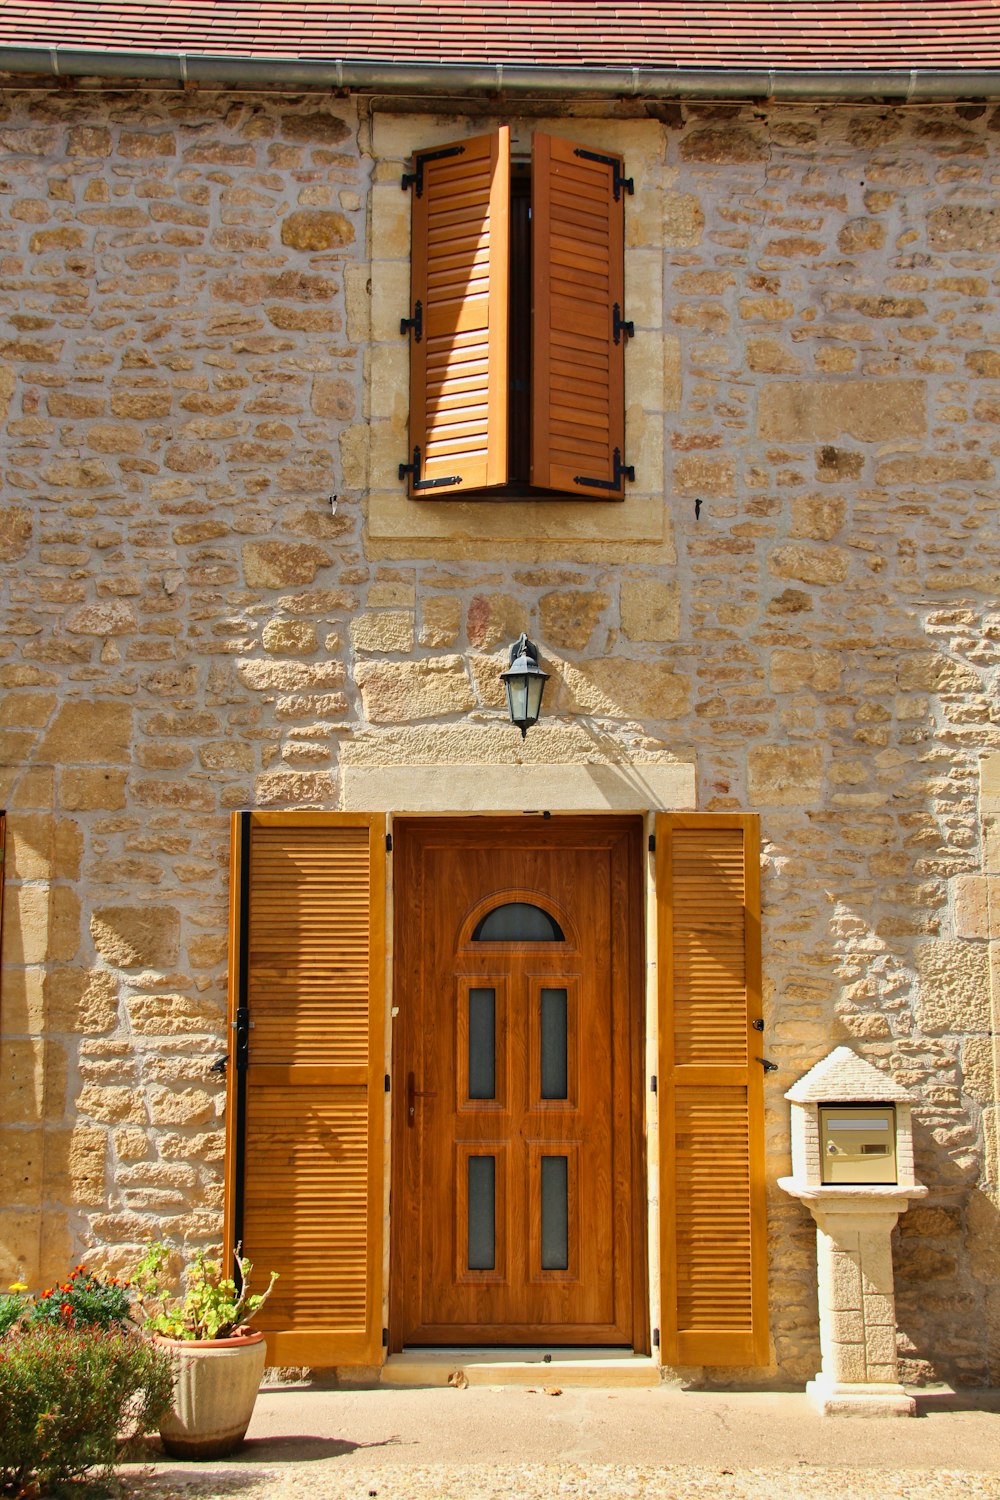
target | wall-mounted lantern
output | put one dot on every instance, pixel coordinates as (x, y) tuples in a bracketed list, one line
[(524, 682)]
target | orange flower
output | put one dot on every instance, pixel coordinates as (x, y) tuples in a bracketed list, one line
[(47, 1292)]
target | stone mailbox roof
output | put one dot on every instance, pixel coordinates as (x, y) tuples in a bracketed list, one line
[(725, 34), (844, 1077)]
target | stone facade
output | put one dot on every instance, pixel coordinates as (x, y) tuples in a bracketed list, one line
[(217, 596)]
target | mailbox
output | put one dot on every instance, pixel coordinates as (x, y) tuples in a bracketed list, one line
[(858, 1143)]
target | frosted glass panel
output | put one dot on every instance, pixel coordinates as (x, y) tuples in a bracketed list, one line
[(518, 922), (482, 1213), (482, 1044), (553, 1049), (555, 1213)]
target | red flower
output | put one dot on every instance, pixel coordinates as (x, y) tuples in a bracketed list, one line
[(47, 1292)]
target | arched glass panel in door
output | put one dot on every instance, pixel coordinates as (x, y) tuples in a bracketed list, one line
[(518, 922)]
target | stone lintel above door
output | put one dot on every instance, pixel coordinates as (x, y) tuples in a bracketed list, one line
[(539, 786)]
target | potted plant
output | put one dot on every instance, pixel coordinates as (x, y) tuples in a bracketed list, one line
[(218, 1357)]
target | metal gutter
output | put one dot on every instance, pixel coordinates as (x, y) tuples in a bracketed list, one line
[(442, 79)]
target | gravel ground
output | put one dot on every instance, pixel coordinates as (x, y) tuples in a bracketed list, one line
[(317, 1481)]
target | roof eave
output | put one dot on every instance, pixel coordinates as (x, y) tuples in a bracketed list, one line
[(449, 78)]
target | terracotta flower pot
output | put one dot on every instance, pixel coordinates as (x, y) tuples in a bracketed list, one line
[(215, 1387)]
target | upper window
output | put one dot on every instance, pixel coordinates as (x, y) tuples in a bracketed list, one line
[(518, 922), (517, 322)]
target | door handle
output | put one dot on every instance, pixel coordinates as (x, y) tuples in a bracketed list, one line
[(412, 1095)]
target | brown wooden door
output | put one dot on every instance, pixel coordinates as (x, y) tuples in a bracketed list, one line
[(517, 1081)]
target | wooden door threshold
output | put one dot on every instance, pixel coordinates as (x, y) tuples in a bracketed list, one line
[(521, 1367)]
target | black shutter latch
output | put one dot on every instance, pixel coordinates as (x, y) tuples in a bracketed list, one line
[(417, 322)]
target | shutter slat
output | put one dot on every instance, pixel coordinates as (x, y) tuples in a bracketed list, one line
[(713, 1254), (578, 273), (459, 274), (312, 1184)]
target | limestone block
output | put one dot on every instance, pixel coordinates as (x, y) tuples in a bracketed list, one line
[(859, 235), (226, 755), (290, 676), (784, 775), (388, 391), (89, 732), (954, 994), (208, 951), (441, 620), (21, 1163), (76, 1164), (82, 1000), (41, 924), (392, 692), (819, 517), (981, 1067), (23, 1008), (961, 226), (486, 678), (289, 637), (15, 527), (626, 688), (494, 620), (19, 1246), (275, 565), (790, 671), (697, 475), (835, 465), (933, 468), (28, 709), (296, 789), (42, 847), (174, 1015), (333, 396), (989, 781), (390, 222), (972, 910), (730, 144), (383, 630), (766, 309), (569, 616), (823, 411), (112, 1104), (182, 1107), (390, 299), (133, 937), (316, 229), (820, 565), (650, 609), (354, 449), (771, 358), (35, 1074)]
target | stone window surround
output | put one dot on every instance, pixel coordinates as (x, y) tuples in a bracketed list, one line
[(637, 528)]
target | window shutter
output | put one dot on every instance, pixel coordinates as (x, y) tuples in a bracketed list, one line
[(712, 1209), (306, 1099), (458, 355), (578, 368)]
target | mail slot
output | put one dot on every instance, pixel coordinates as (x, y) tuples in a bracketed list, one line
[(858, 1143)]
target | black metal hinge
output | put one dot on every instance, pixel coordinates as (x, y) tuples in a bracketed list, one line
[(417, 322), (628, 470), (652, 1083), (613, 162), (656, 1338), (388, 843), (388, 1083), (416, 177), (385, 1338), (769, 1067), (620, 327), (426, 484), (652, 843)]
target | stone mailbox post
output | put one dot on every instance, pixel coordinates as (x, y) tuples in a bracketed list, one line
[(852, 1166)]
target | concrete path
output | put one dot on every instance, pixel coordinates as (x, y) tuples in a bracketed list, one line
[(486, 1443)]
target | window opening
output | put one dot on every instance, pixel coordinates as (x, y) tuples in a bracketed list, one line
[(518, 922)]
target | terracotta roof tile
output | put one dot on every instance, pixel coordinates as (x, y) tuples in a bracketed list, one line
[(836, 34)]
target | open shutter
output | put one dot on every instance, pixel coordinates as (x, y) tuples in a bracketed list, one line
[(458, 332), (306, 1098), (578, 369), (712, 1209)]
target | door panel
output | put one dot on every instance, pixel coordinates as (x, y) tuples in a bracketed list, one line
[(516, 1132)]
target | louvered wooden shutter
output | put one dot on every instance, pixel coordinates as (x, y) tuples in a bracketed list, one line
[(306, 1098), (712, 1209), (578, 369), (458, 363)]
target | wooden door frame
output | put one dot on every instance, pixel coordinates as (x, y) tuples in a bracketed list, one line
[(402, 1042)]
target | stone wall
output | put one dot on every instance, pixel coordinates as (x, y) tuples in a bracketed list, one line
[(215, 598)]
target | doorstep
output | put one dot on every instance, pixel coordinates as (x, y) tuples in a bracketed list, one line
[(521, 1367)]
